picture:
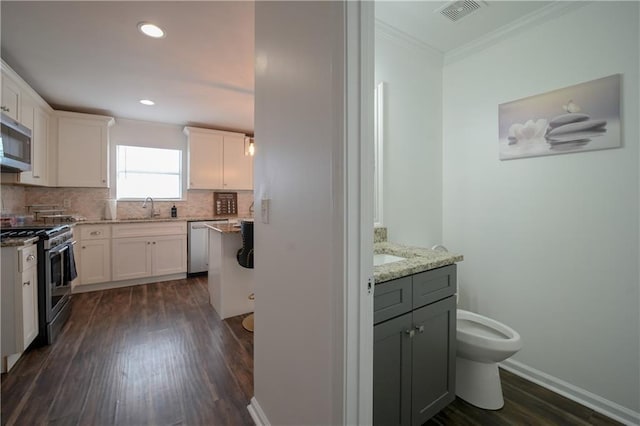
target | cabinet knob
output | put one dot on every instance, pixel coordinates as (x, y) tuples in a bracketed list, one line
[(148, 243), (30, 258), (411, 333), (420, 328), (27, 283), (104, 181), (84, 247), (154, 242)]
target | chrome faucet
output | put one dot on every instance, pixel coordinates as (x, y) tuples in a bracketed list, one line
[(152, 213)]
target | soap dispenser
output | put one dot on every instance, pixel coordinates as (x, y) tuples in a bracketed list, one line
[(174, 211)]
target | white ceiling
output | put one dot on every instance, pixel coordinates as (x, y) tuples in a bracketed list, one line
[(88, 55), (420, 20)]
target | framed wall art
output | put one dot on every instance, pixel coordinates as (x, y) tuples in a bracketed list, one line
[(577, 118)]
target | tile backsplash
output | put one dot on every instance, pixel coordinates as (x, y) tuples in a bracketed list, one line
[(13, 199), (90, 202)]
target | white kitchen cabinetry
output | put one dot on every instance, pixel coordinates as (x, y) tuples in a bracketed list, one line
[(205, 156), (94, 259), (83, 149), (19, 301), (147, 250), (218, 160), (11, 96), (36, 117), (23, 104)]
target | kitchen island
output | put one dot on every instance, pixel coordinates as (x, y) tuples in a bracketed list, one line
[(229, 283)]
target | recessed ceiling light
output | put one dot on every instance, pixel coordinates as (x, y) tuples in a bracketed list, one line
[(148, 102), (151, 30)]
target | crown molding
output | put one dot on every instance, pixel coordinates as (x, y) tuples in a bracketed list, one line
[(393, 33), (551, 11)]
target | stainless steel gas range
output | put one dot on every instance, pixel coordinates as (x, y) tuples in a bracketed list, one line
[(56, 270)]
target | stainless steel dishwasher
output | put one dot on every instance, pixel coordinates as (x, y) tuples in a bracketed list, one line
[(198, 242)]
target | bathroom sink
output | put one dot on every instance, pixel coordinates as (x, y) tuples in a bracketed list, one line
[(383, 259)]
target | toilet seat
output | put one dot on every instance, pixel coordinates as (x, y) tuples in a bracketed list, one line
[(480, 331)]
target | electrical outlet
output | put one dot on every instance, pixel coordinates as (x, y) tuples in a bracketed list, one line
[(66, 203)]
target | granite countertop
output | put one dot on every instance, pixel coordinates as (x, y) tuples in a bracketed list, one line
[(418, 260), (155, 219), (224, 228), (20, 241)]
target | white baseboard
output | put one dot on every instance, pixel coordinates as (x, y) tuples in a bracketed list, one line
[(258, 416), (581, 396)]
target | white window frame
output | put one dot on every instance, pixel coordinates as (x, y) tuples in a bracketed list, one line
[(181, 196)]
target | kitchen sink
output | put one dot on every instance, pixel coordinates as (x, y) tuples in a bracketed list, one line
[(383, 259)]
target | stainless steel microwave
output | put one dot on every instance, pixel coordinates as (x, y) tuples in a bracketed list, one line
[(15, 146)]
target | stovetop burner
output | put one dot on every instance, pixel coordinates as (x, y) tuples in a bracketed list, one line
[(43, 231)]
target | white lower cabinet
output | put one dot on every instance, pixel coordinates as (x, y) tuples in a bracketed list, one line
[(132, 251), (169, 254), (19, 302), (148, 250), (93, 260), (131, 258)]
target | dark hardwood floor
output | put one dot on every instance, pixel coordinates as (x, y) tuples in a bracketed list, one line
[(525, 403), (151, 354), (159, 354)]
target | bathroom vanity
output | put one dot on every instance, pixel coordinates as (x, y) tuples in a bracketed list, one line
[(414, 354)]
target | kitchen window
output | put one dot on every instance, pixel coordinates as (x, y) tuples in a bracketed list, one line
[(148, 172)]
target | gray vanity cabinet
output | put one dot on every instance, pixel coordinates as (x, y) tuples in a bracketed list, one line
[(414, 347)]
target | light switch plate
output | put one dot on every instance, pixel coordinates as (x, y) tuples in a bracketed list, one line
[(264, 210)]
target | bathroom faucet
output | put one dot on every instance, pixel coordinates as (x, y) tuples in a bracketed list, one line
[(152, 213)]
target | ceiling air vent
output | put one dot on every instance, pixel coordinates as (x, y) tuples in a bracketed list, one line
[(457, 10)]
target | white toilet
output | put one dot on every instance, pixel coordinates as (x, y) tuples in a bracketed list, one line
[(482, 344)]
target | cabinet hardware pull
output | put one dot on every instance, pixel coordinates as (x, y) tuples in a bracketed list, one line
[(30, 258), (84, 247), (420, 328), (96, 233), (411, 333), (27, 283), (154, 242), (148, 243)]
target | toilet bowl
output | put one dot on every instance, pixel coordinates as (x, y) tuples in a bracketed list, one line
[(482, 344)]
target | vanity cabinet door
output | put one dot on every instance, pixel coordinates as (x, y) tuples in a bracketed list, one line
[(392, 372), (433, 359)]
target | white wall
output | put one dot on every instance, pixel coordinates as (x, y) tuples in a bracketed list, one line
[(550, 243), (412, 138), (298, 163)]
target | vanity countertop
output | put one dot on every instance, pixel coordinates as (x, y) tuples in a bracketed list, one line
[(417, 260)]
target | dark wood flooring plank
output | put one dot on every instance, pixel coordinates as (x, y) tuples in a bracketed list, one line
[(104, 345)]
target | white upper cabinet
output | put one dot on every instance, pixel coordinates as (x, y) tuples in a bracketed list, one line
[(11, 95), (83, 149), (35, 117), (205, 156), (218, 160), (23, 104)]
